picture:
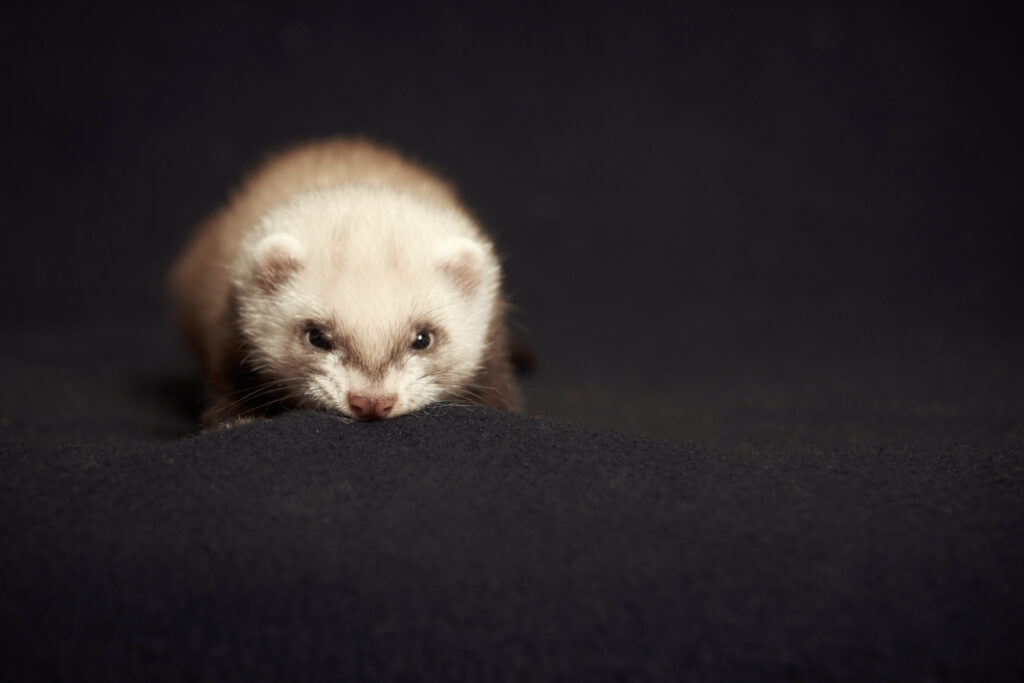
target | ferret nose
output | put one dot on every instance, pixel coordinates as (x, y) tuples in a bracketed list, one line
[(371, 407)]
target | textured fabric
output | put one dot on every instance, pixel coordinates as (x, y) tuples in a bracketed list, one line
[(468, 544), (767, 261)]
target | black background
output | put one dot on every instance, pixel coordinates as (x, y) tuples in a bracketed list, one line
[(680, 193), (772, 250)]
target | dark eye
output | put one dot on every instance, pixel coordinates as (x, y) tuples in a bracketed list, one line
[(423, 340), (316, 337)]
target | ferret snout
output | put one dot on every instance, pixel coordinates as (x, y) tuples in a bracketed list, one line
[(371, 407)]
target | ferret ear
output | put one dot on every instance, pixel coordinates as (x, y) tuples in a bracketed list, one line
[(462, 260), (278, 258)]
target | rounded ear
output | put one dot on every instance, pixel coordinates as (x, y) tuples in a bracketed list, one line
[(278, 258), (462, 261)]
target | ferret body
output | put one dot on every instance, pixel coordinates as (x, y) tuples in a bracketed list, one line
[(343, 277)]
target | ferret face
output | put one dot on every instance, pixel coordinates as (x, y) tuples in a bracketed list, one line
[(365, 302)]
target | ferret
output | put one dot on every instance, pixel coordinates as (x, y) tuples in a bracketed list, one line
[(343, 277)]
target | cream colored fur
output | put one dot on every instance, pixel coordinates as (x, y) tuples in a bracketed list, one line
[(348, 237), (373, 264)]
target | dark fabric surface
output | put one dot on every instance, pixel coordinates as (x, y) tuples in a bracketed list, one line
[(768, 260)]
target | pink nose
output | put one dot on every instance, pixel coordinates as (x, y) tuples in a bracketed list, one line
[(371, 407)]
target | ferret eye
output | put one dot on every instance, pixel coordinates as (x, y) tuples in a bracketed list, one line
[(316, 337), (422, 341)]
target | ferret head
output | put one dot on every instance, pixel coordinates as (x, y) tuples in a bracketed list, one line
[(365, 301)]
